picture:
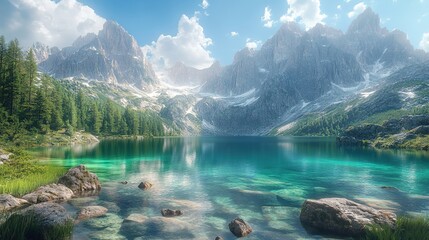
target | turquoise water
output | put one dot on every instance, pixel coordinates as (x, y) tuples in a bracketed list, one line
[(264, 180)]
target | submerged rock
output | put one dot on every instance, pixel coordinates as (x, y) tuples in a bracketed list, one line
[(9, 202), (109, 223), (124, 182), (171, 213), (80, 180), (91, 211), (390, 188), (239, 227), (151, 227), (136, 217), (51, 192), (145, 185), (218, 238), (340, 216)]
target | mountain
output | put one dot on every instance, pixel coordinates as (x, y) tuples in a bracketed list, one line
[(42, 52), (112, 56), (298, 72), (403, 93), (280, 88)]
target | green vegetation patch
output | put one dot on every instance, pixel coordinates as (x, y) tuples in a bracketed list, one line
[(406, 228), (22, 174), (20, 227)]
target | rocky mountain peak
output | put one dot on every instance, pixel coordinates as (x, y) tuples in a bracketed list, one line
[(321, 30), (112, 56), (367, 22), (84, 40), (42, 51), (116, 40), (243, 54)]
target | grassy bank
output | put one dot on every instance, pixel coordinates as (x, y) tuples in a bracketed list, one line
[(24, 227), (22, 174), (406, 228)]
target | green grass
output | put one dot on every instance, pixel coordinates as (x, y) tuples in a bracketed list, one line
[(20, 227), (23, 174), (407, 228)]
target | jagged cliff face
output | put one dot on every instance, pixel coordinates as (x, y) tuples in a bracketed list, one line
[(296, 68), (112, 56), (373, 45)]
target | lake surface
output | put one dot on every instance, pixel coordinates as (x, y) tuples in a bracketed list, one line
[(212, 180)]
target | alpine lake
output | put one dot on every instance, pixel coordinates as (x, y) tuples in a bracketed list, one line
[(213, 180)]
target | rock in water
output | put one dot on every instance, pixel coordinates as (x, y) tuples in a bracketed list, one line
[(8, 202), (171, 213), (340, 216), (145, 185), (51, 192), (219, 238), (41, 221), (80, 180), (91, 211), (239, 227)]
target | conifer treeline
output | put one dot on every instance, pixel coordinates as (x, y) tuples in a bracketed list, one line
[(35, 103)]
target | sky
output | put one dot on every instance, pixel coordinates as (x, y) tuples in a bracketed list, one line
[(199, 32)]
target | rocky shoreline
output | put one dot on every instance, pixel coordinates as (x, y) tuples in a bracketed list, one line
[(331, 216)]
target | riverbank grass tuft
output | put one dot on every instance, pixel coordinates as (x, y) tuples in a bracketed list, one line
[(406, 228), (22, 174), (21, 227)]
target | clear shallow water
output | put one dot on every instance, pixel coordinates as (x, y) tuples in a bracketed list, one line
[(264, 180)]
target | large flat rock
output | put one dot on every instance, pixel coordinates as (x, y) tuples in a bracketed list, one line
[(343, 217), (48, 193)]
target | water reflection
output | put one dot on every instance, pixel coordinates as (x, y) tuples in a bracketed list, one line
[(262, 179)]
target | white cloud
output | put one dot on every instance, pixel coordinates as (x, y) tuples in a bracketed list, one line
[(424, 43), (189, 46), (357, 9), (205, 4), (338, 6), (266, 18), (306, 12), (56, 23), (234, 34), (252, 44)]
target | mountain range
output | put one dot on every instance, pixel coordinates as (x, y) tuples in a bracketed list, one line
[(295, 74)]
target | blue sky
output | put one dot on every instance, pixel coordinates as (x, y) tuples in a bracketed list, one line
[(209, 23)]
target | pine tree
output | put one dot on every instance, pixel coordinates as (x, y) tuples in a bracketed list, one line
[(132, 121), (57, 112), (30, 73), (42, 111), (3, 49), (94, 119), (109, 118), (12, 84), (82, 110), (69, 111)]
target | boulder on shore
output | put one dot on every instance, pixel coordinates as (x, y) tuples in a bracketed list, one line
[(41, 221), (342, 217), (47, 193), (80, 180), (171, 213), (239, 227), (9, 202), (91, 211)]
